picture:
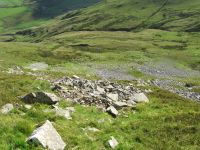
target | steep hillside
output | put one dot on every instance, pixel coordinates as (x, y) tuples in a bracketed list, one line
[(129, 15), (21, 14), (48, 9)]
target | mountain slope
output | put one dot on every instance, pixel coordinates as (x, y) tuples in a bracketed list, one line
[(129, 15), (21, 14)]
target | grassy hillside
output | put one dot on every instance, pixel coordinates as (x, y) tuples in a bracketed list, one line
[(130, 15), (111, 36), (167, 122), (21, 14)]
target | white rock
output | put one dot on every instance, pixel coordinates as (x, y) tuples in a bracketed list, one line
[(76, 77), (48, 137), (113, 142), (7, 108), (112, 111), (113, 97), (28, 106), (141, 98), (92, 129)]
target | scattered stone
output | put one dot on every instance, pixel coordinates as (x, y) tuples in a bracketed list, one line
[(65, 112), (92, 129), (113, 142), (28, 106), (141, 98), (40, 97), (48, 137), (75, 77), (7, 108), (15, 70), (112, 111), (119, 105), (100, 90), (101, 121), (131, 103), (113, 97)]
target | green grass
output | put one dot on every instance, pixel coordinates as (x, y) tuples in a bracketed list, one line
[(167, 122), (76, 49)]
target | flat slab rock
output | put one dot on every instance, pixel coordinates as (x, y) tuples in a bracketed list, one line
[(41, 97), (48, 137)]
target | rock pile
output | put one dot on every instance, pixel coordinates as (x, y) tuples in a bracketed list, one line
[(101, 93)]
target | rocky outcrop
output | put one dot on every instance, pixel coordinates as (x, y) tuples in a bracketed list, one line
[(48, 137), (40, 97)]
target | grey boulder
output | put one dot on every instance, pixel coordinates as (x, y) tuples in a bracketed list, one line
[(41, 97), (48, 137), (112, 111), (141, 98)]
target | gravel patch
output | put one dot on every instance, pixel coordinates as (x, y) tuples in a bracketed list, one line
[(165, 70), (114, 74)]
